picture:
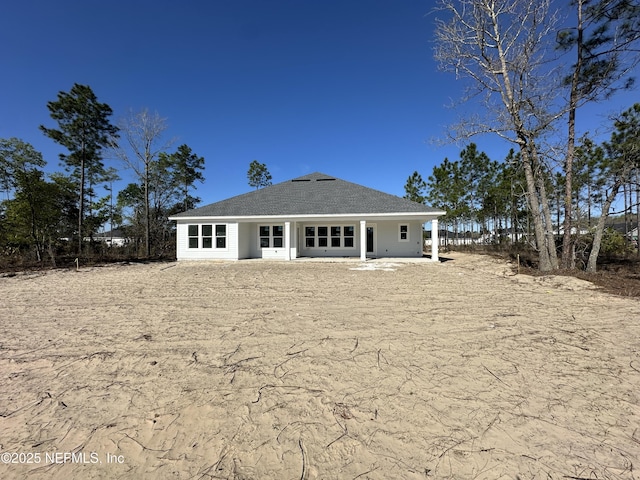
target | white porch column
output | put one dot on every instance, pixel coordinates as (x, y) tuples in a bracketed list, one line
[(287, 240), (363, 240), (434, 240)]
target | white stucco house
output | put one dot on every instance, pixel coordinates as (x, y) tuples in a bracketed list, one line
[(315, 215), (113, 238)]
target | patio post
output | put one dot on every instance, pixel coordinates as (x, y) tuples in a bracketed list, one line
[(287, 240), (363, 240), (434, 240)]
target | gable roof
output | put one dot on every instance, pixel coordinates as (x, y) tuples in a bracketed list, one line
[(313, 194)]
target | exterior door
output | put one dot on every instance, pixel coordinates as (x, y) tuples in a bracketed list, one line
[(371, 239)]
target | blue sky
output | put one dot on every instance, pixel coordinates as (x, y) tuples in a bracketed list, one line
[(345, 87)]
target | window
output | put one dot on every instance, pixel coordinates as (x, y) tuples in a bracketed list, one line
[(348, 236), (201, 236), (193, 236), (207, 236), (278, 236), (310, 237), (403, 233), (221, 236), (323, 236), (265, 236), (271, 236), (335, 236)]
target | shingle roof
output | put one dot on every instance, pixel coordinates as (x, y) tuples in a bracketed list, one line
[(116, 232), (313, 194)]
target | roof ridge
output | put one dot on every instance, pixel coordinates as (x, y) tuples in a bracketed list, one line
[(312, 176)]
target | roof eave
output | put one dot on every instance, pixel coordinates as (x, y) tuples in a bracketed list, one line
[(344, 216)]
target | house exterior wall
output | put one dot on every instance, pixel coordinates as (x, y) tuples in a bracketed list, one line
[(269, 252), (245, 236), (229, 252), (242, 241), (386, 240), (389, 243), (320, 238)]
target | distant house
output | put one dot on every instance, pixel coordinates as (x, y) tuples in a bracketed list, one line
[(314, 215), (629, 229), (581, 230), (448, 237), (113, 238), (633, 237)]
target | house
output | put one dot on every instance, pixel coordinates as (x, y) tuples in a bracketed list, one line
[(114, 238), (315, 215)]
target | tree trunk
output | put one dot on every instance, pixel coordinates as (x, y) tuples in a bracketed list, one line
[(33, 225), (81, 202), (597, 238), (547, 258), (637, 213), (550, 238), (627, 206), (589, 193), (514, 216), (558, 208), (567, 250), (544, 259), (147, 215)]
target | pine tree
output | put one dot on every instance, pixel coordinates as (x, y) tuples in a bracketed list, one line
[(415, 187), (258, 175), (84, 130)]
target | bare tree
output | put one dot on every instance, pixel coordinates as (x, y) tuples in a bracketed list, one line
[(502, 48), (142, 135)]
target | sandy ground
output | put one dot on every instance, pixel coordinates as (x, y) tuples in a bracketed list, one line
[(305, 370)]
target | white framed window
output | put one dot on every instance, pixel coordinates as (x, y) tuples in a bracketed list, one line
[(403, 232), (329, 236), (336, 237), (264, 232), (323, 237), (271, 236), (278, 236), (207, 236), (349, 234), (193, 236), (221, 236), (310, 237), (201, 236)]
